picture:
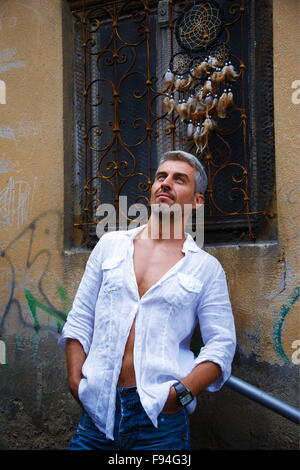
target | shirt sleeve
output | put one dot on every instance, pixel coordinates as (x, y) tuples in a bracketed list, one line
[(217, 328), (80, 320)]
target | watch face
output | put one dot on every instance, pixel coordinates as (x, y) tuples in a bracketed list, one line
[(186, 398)]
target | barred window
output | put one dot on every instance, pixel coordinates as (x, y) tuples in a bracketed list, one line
[(122, 51)]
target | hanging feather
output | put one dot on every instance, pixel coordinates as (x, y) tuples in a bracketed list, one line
[(177, 82), (200, 107), (228, 72), (196, 116), (208, 100), (197, 71), (178, 107), (214, 104), (217, 75), (180, 82), (166, 102), (232, 72), (190, 129), (169, 78), (212, 61), (207, 88), (188, 84), (182, 110), (222, 105), (230, 97), (172, 104), (191, 105), (199, 112), (199, 95), (201, 69), (198, 138), (207, 127), (183, 83)]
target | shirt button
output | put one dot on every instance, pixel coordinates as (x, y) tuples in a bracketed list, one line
[(183, 437)]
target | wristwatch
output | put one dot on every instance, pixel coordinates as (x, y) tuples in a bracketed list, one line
[(184, 395)]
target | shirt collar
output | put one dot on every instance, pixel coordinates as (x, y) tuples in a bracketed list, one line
[(188, 244)]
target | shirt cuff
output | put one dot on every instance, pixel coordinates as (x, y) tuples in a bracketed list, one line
[(225, 372), (72, 335)]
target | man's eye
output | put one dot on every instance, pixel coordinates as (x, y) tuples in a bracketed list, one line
[(160, 177), (180, 178)]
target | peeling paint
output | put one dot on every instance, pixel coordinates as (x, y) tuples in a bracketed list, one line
[(7, 133), (8, 54), (12, 65), (16, 202), (7, 166)]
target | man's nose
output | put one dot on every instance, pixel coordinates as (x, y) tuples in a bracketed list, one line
[(167, 182)]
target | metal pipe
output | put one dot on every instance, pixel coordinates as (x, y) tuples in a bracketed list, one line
[(265, 399)]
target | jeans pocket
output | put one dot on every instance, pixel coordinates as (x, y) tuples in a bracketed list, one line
[(86, 424), (174, 428)]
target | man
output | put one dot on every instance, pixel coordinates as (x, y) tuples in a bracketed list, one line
[(128, 334)]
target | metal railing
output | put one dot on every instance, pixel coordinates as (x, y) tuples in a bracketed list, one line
[(265, 399)]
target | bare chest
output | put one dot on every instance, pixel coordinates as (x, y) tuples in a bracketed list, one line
[(151, 265)]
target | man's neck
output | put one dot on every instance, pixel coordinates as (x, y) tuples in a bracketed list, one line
[(172, 232)]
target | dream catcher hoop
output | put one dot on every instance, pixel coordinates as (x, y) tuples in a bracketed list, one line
[(199, 78), (199, 26), (221, 52), (180, 63)]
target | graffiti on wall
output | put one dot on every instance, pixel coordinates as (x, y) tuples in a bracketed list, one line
[(34, 298), (278, 330), (8, 59), (35, 305), (30, 289)]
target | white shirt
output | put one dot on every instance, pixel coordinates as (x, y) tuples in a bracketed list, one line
[(106, 304)]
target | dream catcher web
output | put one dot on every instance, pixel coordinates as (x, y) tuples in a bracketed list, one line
[(198, 88), (221, 52), (180, 63), (199, 26)]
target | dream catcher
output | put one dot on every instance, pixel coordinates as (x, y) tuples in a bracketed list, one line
[(198, 82)]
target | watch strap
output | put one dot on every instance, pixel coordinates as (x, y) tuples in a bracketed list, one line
[(184, 395), (180, 388)]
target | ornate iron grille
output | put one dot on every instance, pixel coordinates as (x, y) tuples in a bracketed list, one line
[(122, 49)]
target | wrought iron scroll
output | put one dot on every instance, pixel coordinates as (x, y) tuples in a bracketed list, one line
[(120, 118), (119, 103)]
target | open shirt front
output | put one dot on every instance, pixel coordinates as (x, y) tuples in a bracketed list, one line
[(193, 291)]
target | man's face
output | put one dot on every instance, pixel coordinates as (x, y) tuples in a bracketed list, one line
[(175, 183)]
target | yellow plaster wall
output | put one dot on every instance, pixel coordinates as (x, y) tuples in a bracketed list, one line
[(31, 159), (263, 277)]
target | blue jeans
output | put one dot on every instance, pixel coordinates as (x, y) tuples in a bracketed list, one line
[(133, 428)]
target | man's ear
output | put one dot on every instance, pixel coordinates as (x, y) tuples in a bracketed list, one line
[(198, 200)]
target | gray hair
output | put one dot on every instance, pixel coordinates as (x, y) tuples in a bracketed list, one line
[(200, 174)]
